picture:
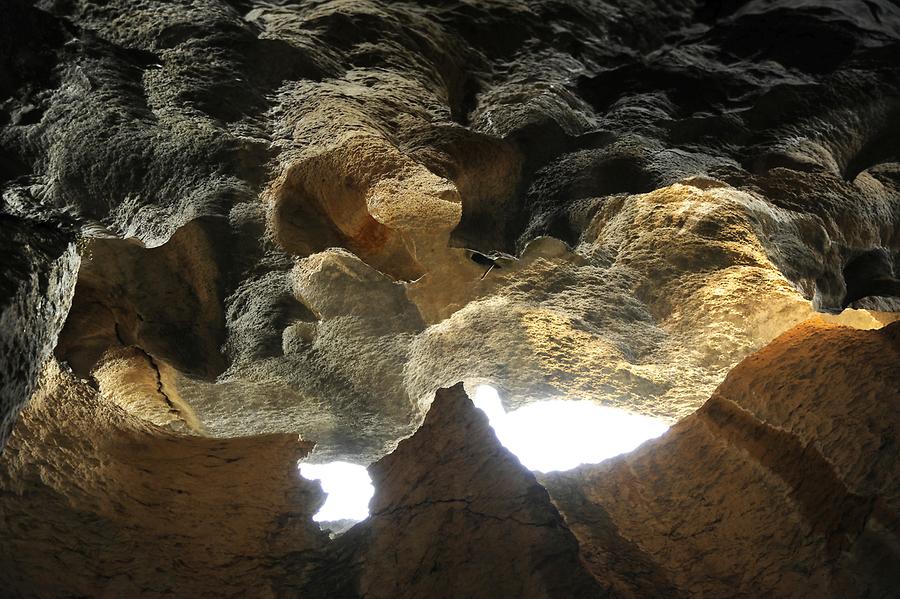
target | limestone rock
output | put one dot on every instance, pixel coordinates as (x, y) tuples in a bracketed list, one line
[(784, 484), (96, 501), (778, 485), (135, 381), (239, 221), (40, 268), (449, 501), (707, 189), (164, 299)]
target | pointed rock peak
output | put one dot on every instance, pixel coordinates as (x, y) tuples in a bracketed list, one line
[(448, 501)]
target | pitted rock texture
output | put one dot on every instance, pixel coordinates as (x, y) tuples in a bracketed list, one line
[(229, 222), (97, 502), (40, 268), (614, 202), (790, 469)]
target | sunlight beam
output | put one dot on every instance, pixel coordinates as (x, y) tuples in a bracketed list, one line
[(545, 436)]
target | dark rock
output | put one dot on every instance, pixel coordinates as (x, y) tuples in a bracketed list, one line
[(450, 500), (40, 268)]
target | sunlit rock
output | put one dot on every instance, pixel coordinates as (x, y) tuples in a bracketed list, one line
[(230, 223), (787, 470)]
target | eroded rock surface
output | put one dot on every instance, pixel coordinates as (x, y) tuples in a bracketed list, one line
[(790, 470), (40, 268), (784, 483), (229, 222), (449, 501), (95, 501), (573, 199)]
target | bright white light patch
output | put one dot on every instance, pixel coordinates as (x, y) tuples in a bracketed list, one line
[(349, 490), (561, 434), (546, 436)]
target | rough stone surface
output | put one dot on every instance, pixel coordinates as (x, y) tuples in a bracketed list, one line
[(132, 379), (40, 268), (450, 500), (97, 502), (783, 484), (657, 188), (165, 300), (236, 221), (790, 469)]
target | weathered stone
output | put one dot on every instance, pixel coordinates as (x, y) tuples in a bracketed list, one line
[(307, 217), (40, 268), (97, 501), (708, 184), (449, 501), (784, 484)]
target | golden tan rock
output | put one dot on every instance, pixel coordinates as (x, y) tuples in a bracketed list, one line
[(144, 387), (164, 299), (784, 484), (449, 501), (96, 501)]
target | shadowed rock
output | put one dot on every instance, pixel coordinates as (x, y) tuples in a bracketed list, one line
[(96, 501), (448, 502), (785, 483), (40, 268)]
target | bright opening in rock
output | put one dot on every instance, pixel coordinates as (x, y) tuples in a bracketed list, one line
[(545, 436), (561, 434), (349, 490)]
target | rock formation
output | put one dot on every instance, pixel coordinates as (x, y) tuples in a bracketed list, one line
[(789, 469), (230, 223), (97, 501), (450, 501), (40, 268), (783, 484)]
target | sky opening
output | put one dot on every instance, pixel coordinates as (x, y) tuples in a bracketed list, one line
[(546, 436), (348, 486), (561, 434)]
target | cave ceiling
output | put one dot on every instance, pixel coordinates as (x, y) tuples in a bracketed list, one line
[(236, 234)]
